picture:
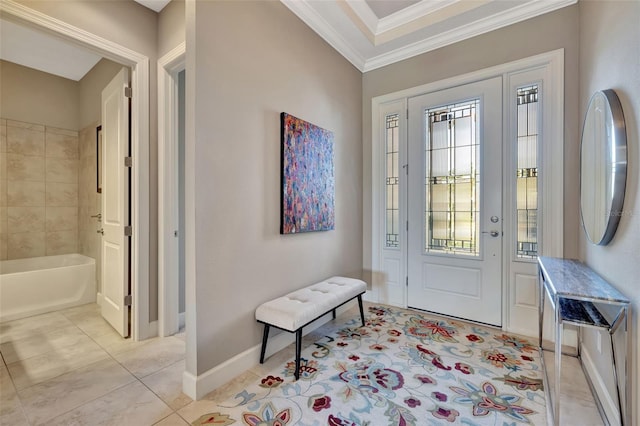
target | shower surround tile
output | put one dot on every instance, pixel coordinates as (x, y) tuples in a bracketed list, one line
[(25, 167), (25, 244), (61, 242), (61, 219), (25, 139), (61, 170), (3, 135), (61, 194), (61, 145), (24, 193), (25, 219)]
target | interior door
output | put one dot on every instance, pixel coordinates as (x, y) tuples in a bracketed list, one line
[(115, 203), (455, 202)]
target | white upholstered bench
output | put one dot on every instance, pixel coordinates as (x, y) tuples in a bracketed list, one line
[(299, 308)]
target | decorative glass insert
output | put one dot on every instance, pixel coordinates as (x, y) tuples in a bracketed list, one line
[(392, 179), (527, 172), (452, 184)]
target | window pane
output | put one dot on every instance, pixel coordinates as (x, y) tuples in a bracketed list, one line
[(527, 172), (392, 181), (452, 179)]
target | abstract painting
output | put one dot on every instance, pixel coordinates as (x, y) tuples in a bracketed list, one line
[(308, 186)]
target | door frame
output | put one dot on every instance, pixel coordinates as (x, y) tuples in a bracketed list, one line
[(169, 66), (141, 327), (552, 168)]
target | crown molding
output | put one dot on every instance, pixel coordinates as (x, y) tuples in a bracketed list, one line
[(509, 17), (365, 13), (411, 13), (315, 21)]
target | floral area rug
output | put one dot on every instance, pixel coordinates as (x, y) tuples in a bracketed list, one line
[(403, 368)]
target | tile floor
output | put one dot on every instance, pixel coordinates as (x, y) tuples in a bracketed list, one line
[(71, 368)]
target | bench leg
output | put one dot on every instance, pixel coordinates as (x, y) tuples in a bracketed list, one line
[(334, 314), (265, 336), (298, 350), (361, 311)]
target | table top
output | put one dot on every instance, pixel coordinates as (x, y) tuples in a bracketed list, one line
[(571, 278)]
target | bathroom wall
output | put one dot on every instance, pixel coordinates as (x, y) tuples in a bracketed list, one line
[(40, 190), (38, 163)]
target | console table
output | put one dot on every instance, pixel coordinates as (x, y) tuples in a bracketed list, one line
[(575, 292)]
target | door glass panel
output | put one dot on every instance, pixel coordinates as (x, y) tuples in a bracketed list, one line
[(392, 177), (527, 172), (452, 179)]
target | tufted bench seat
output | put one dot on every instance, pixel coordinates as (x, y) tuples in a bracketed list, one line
[(299, 308)]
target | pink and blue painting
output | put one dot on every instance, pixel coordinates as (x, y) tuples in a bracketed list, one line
[(308, 184)]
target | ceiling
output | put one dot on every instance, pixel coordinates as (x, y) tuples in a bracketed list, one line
[(375, 33), (368, 33)]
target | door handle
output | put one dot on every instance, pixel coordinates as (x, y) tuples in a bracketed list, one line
[(100, 231), (492, 233)]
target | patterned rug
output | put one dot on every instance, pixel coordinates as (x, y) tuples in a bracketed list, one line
[(404, 368)]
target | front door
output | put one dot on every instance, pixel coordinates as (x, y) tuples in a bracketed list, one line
[(115, 203), (455, 202)]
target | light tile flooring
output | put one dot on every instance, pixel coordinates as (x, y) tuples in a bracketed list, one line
[(71, 368)]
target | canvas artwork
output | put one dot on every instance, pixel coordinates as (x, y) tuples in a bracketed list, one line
[(308, 184)]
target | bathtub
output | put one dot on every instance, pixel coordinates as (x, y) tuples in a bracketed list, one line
[(44, 284)]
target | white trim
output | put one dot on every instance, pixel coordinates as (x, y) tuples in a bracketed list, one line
[(139, 139), (196, 387), (316, 22), (365, 13), (411, 13), (552, 200), (168, 68), (482, 26), (609, 405)]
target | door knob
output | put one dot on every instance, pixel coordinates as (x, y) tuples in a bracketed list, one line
[(100, 231), (492, 233)]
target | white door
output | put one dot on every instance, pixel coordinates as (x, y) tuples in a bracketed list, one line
[(115, 203), (455, 202)]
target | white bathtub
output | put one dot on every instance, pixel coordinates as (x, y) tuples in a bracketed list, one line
[(44, 284)]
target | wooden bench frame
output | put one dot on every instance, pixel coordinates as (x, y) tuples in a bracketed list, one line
[(298, 332)]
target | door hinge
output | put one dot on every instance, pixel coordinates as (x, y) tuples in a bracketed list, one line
[(407, 281), (127, 300), (128, 231), (128, 162), (128, 93), (407, 225)]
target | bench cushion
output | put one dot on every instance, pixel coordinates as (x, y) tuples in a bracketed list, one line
[(296, 309)]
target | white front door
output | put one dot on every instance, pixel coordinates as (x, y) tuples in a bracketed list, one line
[(115, 203), (455, 202)]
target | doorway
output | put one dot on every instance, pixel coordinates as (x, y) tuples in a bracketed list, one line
[(455, 202), (458, 213), (171, 212), (139, 146)]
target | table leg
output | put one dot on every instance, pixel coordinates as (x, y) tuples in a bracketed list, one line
[(558, 360)]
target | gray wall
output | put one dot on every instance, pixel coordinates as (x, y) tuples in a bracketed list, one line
[(610, 59), (34, 96), (247, 62), (548, 32), (170, 27), (91, 86), (136, 27)]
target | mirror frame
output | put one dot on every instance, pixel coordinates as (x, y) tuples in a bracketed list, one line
[(619, 167)]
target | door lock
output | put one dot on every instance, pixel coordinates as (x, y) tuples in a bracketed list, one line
[(492, 233), (494, 219), (100, 231)]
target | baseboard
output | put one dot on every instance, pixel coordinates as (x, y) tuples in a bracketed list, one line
[(609, 405), (196, 387)]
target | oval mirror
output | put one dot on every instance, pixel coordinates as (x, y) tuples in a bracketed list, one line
[(603, 167)]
